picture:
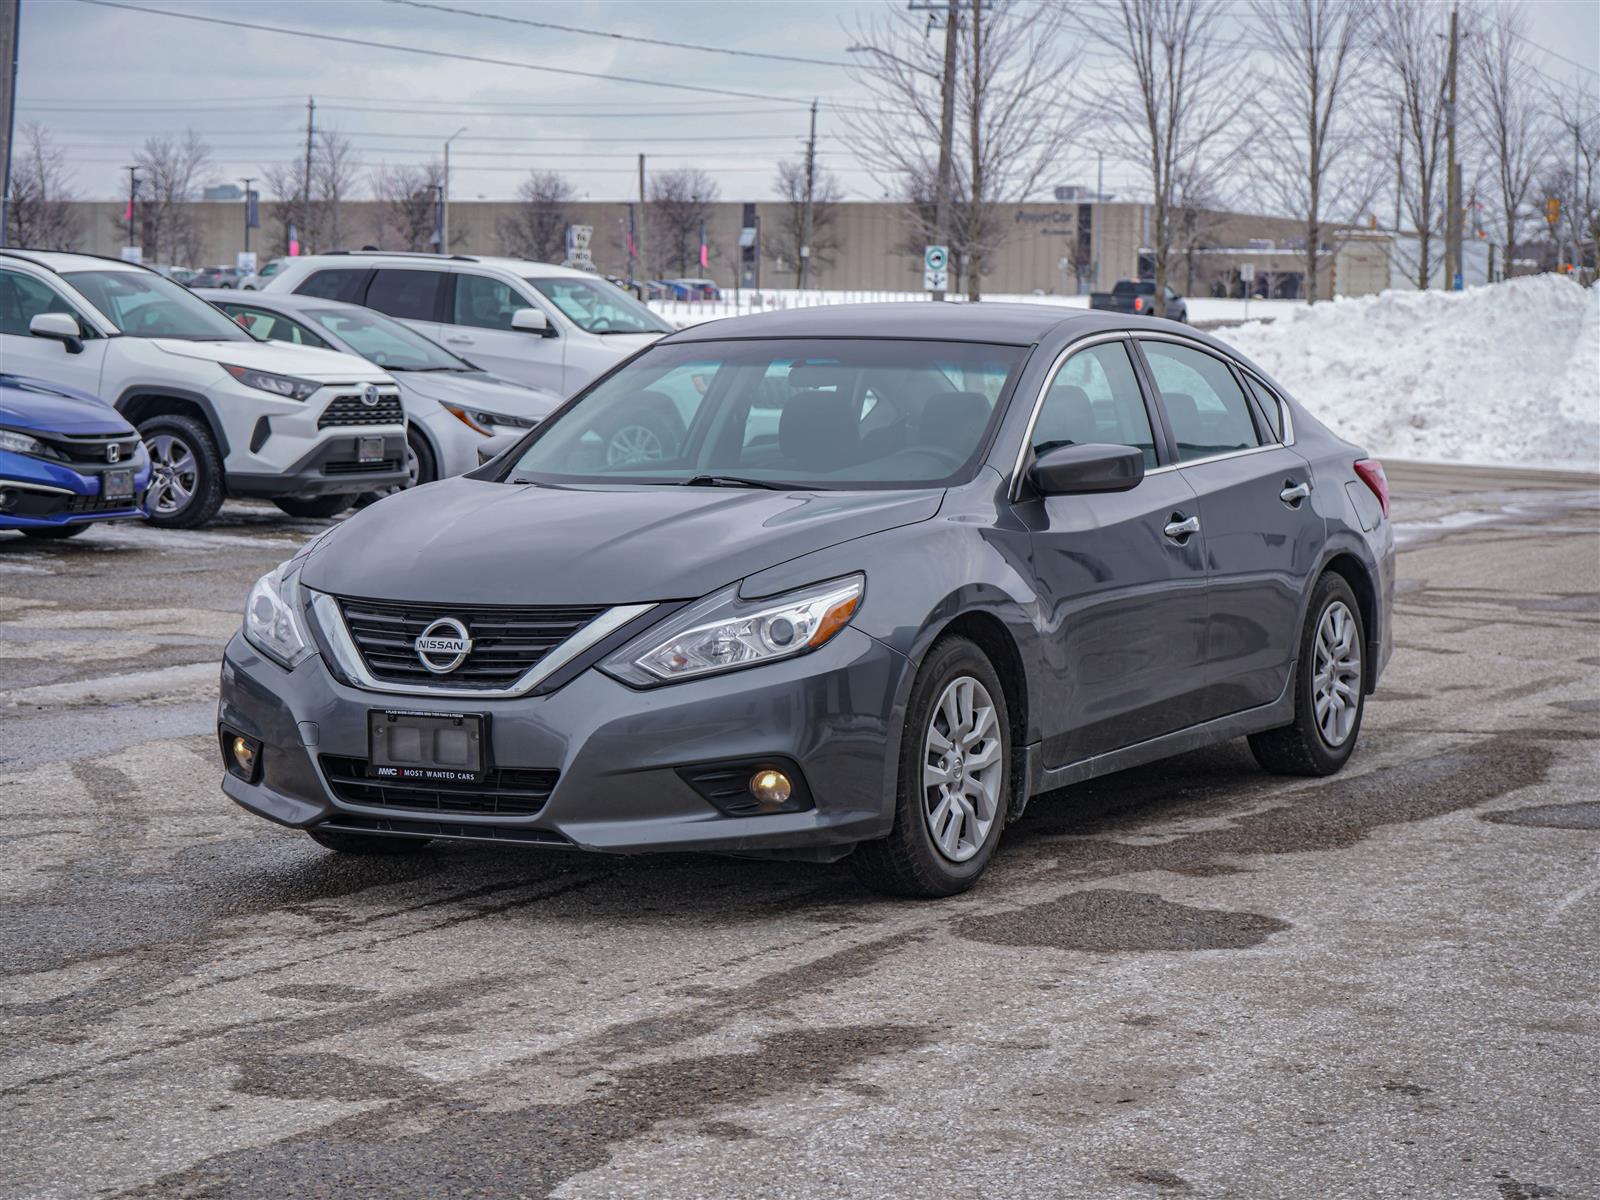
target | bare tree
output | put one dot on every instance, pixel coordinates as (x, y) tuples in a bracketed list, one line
[(680, 205), (335, 176), (1197, 219), (1577, 149), (1413, 61), (1505, 115), (538, 230), (788, 235), (39, 212), (284, 181), (407, 204), (1317, 47), (1011, 129), (173, 174), (1184, 101)]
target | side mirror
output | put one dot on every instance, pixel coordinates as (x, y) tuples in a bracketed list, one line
[(58, 327), (1092, 467), (531, 320), (493, 447)]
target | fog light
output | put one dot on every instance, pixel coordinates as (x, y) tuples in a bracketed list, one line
[(241, 755), (7, 499), (771, 787)]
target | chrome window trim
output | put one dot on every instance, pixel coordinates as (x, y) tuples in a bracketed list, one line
[(325, 610), (1155, 335), (1099, 339), (1284, 411), (1211, 458)]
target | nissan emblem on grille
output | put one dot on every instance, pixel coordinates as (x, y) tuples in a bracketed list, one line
[(444, 645), (369, 396), (113, 453)]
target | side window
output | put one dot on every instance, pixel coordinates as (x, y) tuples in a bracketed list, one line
[(337, 283), (409, 295), (1208, 413), (1095, 398), (272, 327), (484, 303), (23, 297), (1270, 404)]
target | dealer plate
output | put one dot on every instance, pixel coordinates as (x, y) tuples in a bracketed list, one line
[(116, 485), (448, 747), (369, 449)]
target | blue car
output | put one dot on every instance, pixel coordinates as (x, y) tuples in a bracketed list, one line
[(66, 460)]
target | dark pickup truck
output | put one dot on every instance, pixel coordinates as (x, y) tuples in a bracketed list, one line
[(1138, 296)]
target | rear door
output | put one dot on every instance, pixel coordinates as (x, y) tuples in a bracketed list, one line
[(413, 296), (1262, 535), (477, 326), (1123, 600)]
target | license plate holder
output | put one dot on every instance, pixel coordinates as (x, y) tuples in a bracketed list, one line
[(116, 485), (421, 746), (369, 449)]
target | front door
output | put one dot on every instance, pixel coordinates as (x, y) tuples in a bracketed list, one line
[(1122, 599), (23, 297), (1262, 534), (478, 327)]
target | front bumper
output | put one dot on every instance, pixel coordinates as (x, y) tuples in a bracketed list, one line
[(617, 750), (43, 494), (334, 466)]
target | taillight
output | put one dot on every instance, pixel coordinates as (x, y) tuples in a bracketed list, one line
[(1371, 472), (1138, 304)]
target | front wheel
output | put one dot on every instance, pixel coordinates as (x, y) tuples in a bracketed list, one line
[(185, 472), (314, 506), (1329, 696), (955, 779)]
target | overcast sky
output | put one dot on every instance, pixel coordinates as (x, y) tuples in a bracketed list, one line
[(101, 79)]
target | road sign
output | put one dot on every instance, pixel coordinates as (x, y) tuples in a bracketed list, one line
[(245, 262), (133, 254), (1247, 271), (935, 258), (936, 281), (578, 239)]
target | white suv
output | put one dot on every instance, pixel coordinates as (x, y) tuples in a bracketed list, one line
[(544, 326), (222, 413)]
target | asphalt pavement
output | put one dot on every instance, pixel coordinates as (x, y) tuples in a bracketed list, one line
[(1187, 980)]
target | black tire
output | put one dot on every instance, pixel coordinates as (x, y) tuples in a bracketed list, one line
[(364, 843), (907, 862), (206, 494), (427, 464), (315, 506), (1301, 748), (57, 533)]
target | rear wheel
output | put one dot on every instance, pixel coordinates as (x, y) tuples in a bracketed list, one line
[(954, 782), (56, 533), (421, 467), (314, 506), (1328, 694), (364, 843), (185, 472)]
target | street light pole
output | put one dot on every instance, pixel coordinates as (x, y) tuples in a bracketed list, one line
[(444, 204), (248, 180), (947, 124)]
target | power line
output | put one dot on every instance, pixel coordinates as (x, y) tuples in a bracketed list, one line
[(368, 44), (234, 139), (621, 37)]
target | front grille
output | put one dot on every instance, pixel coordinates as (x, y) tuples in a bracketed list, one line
[(506, 641), (379, 466), (508, 792), (94, 504), (91, 448), (350, 823), (349, 410)]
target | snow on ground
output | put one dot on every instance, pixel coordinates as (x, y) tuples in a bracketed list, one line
[(1507, 373)]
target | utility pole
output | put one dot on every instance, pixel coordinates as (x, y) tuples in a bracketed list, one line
[(947, 121), (248, 180), (305, 195), (10, 32), (811, 182), (444, 204), (638, 234), (1095, 216), (133, 198), (1400, 171), (1452, 229)]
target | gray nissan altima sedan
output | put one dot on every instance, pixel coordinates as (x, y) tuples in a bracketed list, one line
[(840, 581)]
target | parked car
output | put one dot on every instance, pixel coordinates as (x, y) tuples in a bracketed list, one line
[(693, 289), (214, 277), (222, 413), (1138, 296), (544, 326), (67, 460), (451, 405), (258, 278), (898, 569)]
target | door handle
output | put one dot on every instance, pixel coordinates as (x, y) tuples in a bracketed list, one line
[(1181, 527), (459, 341), (1294, 492)]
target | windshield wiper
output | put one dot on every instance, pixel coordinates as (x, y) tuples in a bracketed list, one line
[(735, 481)]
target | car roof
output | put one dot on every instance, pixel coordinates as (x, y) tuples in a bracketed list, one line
[(287, 301), (518, 266), (61, 261), (1006, 324)]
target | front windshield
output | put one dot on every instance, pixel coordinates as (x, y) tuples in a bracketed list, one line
[(839, 413), (596, 306), (144, 304), (388, 343)]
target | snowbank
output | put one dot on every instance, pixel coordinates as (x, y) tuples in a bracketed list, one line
[(1507, 373)]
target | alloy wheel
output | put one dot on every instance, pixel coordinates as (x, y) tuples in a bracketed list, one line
[(1336, 674), (633, 444), (174, 474), (962, 769)]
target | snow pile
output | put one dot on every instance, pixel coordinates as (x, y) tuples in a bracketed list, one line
[(1507, 373)]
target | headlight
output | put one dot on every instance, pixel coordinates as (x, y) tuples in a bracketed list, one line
[(272, 616), (723, 633), (487, 423), (286, 386), (20, 443)]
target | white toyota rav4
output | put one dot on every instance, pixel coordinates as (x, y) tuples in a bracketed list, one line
[(222, 413)]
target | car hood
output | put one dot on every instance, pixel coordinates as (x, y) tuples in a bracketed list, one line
[(469, 541), (49, 408), (478, 390), (306, 362)]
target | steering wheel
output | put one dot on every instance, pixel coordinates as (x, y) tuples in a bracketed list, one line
[(600, 325)]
